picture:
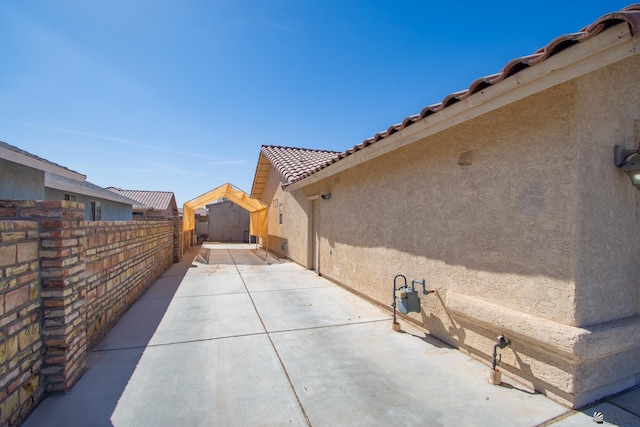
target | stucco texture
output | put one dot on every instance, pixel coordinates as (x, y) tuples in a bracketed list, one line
[(607, 215), (20, 182), (289, 238), (499, 229), (537, 238)]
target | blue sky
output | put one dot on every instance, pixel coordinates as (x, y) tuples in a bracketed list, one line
[(180, 95)]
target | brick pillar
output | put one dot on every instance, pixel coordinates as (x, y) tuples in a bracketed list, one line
[(177, 240), (62, 283)]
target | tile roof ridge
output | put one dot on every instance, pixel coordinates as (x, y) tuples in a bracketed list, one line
[(290, 167), (140, 191), (300, 148)]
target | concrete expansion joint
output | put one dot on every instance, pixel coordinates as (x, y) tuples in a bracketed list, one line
[(339, 325), (291, 290), (275, 349)]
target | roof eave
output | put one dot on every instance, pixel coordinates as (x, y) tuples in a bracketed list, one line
[(608, 47), (87, 192), (35, 163)]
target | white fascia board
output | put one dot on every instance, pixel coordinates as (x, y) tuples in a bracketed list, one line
[(72, 190), (613, 45), (87, 192), (22, 159)]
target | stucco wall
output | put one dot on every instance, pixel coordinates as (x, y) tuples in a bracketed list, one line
[(498, 230), (536, 239), (607, 282), (111, 211), (288, 239), (20, 182)]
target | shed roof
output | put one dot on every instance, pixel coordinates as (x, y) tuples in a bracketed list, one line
[(629, 15), (158, 200)]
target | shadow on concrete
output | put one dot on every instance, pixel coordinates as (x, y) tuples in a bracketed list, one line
[(220, 254), (112, 361)]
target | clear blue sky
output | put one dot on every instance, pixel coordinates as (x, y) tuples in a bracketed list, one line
[(179, 95)]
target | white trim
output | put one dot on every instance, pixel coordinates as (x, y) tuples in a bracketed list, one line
[(25, 160), (82, 191), (71, 189), (610, 46)]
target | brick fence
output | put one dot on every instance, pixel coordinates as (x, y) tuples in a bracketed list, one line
[(20, 320), (64, 282), (122, 260)]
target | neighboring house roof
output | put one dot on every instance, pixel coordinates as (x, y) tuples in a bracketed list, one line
[(156, 200), (59, 177), (629, 15), (200, 211), (59, 182), (290, 162), (16, 155)]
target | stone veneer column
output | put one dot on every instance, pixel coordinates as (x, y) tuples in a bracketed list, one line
[(62, 266), (177, 240)]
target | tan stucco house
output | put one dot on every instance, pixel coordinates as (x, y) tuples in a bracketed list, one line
[(505, 198)]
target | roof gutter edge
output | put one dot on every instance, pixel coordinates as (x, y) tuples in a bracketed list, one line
[(608, 47)]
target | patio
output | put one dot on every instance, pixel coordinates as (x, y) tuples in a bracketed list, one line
[(228, 337)]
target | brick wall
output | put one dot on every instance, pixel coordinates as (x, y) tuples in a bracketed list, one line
[(178, 248), (21, 351), (63, 283), (122, 260)]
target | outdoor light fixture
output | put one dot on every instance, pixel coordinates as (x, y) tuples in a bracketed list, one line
[(326, 196), (629, 162)]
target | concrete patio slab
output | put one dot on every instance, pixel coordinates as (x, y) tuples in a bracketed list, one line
[(94, 397), (221, 382), (209, 270), (264, 342), (207, 317), (629, 401), (201, 285), (163, 288), (611, 416), (398, 379), (136, 327), (314, 307), (278, 280)]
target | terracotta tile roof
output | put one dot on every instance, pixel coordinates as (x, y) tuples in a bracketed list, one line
[(629, 15), (157, 200), (295, 163)]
